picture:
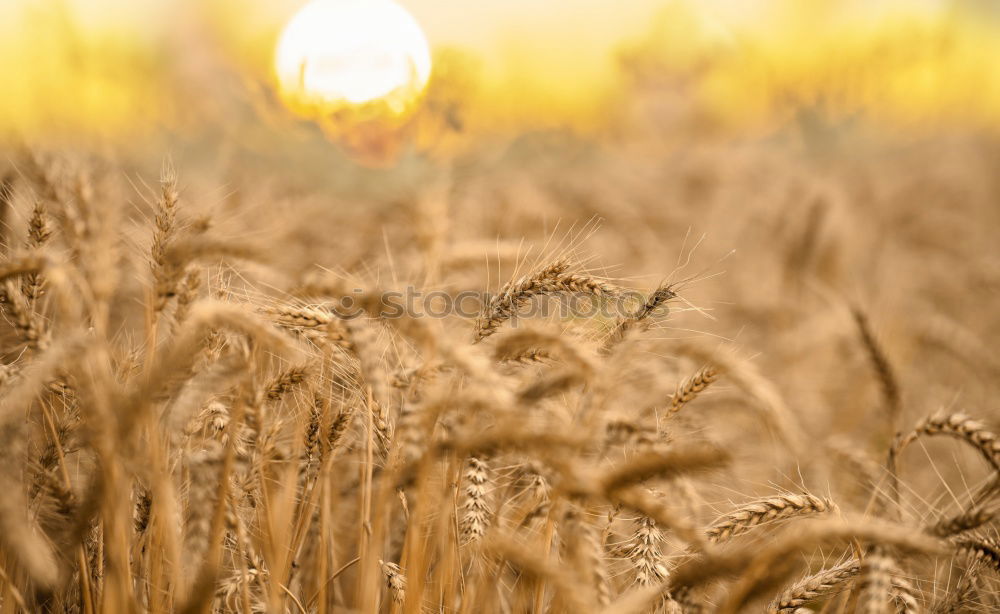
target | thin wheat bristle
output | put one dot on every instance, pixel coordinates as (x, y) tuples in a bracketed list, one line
[(964, 594)]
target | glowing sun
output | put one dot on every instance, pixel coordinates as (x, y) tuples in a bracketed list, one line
[(335, 55)]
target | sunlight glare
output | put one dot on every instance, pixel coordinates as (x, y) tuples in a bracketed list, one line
[(335, 54)]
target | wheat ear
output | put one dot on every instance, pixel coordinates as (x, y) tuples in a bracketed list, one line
[(395, 580), (767, 510), (586, 556), (967, 520), (476, 512), (165, 221), (956, 425), (824, 584), (884, 372), (875, 583), (644, 551), (654, 301), (39, 232), (552, 279), (982, 549), (963, 595), (691, 388)]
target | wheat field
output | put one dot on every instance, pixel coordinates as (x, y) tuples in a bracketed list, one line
[(733, 380), (659, 366)]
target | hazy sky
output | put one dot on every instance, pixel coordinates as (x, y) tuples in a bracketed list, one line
[(480, 24), (530, 52)]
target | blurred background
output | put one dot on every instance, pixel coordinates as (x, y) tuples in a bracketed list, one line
[(130, 70), (812, 178), (582, 109), (787, 158), (710, 117)]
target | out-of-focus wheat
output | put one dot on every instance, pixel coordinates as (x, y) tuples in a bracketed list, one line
[(314, 421)]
